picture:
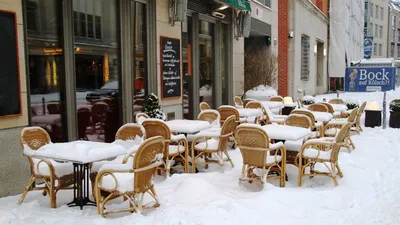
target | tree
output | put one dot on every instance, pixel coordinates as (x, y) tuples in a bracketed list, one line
[(151, 106), (261, 68)]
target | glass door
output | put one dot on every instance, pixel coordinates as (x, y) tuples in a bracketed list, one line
[(187, 68), (206, 73)]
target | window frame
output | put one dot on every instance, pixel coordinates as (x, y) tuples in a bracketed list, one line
[(305, 58)]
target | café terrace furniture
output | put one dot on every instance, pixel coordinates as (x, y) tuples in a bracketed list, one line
[(260, 155), (175, 146), (323, 150), (357, 126), (316, 126), (238, 102), (131, 181), (216, 146), (336, 101), (318, 107), (140, 117), (204, 106)]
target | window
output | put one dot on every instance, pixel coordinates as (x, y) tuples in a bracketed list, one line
[(82, 21), (371, 11), (375, 48), (398, 50), (265, 2), (393, 35), (381, 31), (398, 35), (380, 49), (98, 27), (381, 13), (305, 57), (376, 30), (376, 11), (31, 13), (87, 19), (371, 29), (392, 50), (90, 26)]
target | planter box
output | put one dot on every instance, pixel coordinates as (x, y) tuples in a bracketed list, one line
[(394, 120)]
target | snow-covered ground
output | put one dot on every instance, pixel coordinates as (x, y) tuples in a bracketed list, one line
[(368, 194)]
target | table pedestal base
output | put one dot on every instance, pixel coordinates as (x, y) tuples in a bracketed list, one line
[(81, 186)]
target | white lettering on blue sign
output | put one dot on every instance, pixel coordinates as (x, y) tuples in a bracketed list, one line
[(380, 76)]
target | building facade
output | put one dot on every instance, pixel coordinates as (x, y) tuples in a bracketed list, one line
[(71, 53), (394, 30), (376, 25)]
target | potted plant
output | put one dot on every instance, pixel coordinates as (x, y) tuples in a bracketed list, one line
[(308, 100), (151, 107), (351, 105), (394, 120)]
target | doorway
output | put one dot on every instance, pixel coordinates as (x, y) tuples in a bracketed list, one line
[(320, 67)]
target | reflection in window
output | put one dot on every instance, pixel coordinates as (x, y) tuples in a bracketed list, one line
[(90, 22), (206, 61), (45, 63), (187, 68), (223, 65)]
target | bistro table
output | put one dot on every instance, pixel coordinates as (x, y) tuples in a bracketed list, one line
[(243, 112), (285, 132), (322, 116), (81, 154), (186, 127), (339, 107), (272, 104)]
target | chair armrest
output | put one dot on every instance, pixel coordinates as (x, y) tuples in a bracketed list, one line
[(177, 138), (47, 162), (319, 141)]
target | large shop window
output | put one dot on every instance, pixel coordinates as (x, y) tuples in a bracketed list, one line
[(45, 55), (187, 68), (97, 69), (206, 48)]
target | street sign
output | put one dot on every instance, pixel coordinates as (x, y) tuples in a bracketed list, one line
[(363, 79), (368, 43)]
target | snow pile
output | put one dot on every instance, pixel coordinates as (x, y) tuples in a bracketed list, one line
[(308, 100), (261, 93)]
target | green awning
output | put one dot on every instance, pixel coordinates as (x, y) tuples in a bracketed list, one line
[(240, 4)]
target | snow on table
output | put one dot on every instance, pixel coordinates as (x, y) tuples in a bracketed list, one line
[(187, 126), (77, 151), (272, 104), (249, 112), (51, 119), (285, 132), (322, 116), (339, 107)]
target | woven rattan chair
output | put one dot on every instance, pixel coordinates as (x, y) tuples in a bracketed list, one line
[(140, 117), (293, 147), (357, 126), (238, 102), (317, 107), (300, 103), (323, 150), (257, 105), (226, 111), (176, 146), (246, 101), (131, 181), (317, 127), (212, 116), (333, 127), (204, 106), (205, 146), (260, 155), (276, 99), (328, 106), (56, 176), (337, 101)]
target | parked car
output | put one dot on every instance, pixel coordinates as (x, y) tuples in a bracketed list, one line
[(108, 90)]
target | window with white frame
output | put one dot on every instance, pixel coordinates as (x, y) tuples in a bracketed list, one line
[(381, 13), (398, 35), (398, 50), (376, 11), (305, 57), (376, 30), (265, 2), (375, 48), (392, 50), (380, 49), (371, 10), (381, 31), (371, 29)]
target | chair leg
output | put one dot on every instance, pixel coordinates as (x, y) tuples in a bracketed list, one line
[(351, 142), (27, 188), (52, 194), (333, 174), (154, 195), (339, 170), (229, 158), (300, 179)]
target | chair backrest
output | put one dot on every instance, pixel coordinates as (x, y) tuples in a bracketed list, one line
[(99, 111), (254, 105), (227, 130), (34, 137), (53, 108), (210, 115), (246, 101), (298, 120), (157, 127), (353, 116), (336, 101), (226, 111), (130, 131), (340, 138), (146, 161), (276, 99), (307, 113), (238, 101), (318, 107), (300, 103), (253, 143), (83, 122), (140, 117), (204, 106), (362, 108), (329, 106)]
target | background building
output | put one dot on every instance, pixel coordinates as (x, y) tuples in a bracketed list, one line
[(394, 30), (376, 25)]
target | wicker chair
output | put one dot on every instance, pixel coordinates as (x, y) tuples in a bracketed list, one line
[(276, 99), (260, 155), (270, 117), (246, 101), (357, 126), (317, 107), (336, 101), (204, 106), (300, 103), (226, 111), (54, 108), (56, 176), (210, 115), (131, 181), (294, 147), (331, 129), (317, 126), (257, 105), (214, 146), (238, 102), (176, 146), (99, 115), (83, 123), (323, 150), (140, 117), (329, 106)]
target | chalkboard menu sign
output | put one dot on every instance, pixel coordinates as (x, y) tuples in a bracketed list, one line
[(170, 67), (9, 68)]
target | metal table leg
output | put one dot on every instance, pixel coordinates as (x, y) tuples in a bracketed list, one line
[(81, 186)]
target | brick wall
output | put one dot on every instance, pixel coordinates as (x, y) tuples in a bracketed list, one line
[(283, 47)]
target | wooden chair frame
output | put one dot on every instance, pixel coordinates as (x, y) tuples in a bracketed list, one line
[(317, 107), (141, 114), (204, 106), (337, 101), (319, 129), (238, 101)]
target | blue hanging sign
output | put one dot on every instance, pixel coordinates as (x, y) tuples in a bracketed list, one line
[(362, 79), (368, 43)]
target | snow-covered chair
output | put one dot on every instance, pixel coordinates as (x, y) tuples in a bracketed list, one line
[(176, 146), (131, 181), (331, 129), (225, 111), (259, 155), (271, 118), (324, 150), (336, 101), (357, 126), (204, 106), (256, 119), (316, 127), (212, 116), (293, 147), (140, 117), (238, 102), (214, 146), (317, 107), (277, 99), (56, 176)]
